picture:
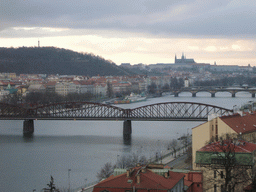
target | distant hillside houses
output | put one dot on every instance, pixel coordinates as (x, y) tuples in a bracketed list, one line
[(66, 84)]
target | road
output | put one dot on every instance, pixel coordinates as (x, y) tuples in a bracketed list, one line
[(179, 163)]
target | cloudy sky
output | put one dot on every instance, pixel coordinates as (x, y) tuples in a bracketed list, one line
[(136, 31)]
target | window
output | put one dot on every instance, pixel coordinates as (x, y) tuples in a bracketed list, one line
[(215, 188), (221, 188), (221, 175), (229, 188)]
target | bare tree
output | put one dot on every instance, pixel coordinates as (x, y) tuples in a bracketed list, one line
[(188, 160), (230, 169), (174, 146), (51, 186), (106, 171), (109, 90), (185, 142), (127, 161)]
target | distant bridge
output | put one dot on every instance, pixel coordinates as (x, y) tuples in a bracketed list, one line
[(169, 111), (214, 89)]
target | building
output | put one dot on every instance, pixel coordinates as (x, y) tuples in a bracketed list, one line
[(64, 88), (100, 89), (50, 86), (142, 179), (227, 162), (241, 125), (183, 60), (83, 87), (193, 180), (36, 88)]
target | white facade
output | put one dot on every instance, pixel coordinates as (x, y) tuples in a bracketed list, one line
[(100, 89), (64, 88)]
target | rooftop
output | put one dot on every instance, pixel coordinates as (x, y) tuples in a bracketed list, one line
[(244, 123), (147, 180)]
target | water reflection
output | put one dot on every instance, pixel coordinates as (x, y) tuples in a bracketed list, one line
[(27, 137), (127, 139)]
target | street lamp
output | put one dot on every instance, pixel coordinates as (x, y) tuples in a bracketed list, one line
[(69, 179), (117, 160)]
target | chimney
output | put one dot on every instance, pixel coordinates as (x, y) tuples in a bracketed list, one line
[(128, 173), (138, 179), (166, 174)]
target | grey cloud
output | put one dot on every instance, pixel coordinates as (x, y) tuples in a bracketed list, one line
[(176, 17)]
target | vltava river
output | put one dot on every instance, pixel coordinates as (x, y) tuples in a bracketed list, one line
[(85, 146)]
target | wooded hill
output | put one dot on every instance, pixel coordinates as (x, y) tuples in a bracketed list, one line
[(52, 60)]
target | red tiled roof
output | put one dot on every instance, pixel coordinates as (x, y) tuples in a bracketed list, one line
[(243, 124), (239, 146), (196, 177), (148, 179), (187, 183)]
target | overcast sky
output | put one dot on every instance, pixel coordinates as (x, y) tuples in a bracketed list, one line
[(136, 31)]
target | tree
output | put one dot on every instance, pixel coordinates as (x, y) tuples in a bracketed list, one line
[(174, 146), (128, 161), (176, 83), (14, 98), (51, 186), (123, 162), (152, 88), (43, 98), (105, 171), (185, 141), (166, 87), (188, 160), (231, 169), (110, 92)]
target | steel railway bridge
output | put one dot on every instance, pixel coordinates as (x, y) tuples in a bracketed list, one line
[(169, 111)]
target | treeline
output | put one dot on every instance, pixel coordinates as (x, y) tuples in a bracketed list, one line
[(52, 60), (228, 81), (35, 98)]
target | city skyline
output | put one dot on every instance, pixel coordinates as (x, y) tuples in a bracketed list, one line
[(134, 32)]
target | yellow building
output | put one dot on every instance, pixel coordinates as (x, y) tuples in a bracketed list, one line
[(227, 165), (243, 125)]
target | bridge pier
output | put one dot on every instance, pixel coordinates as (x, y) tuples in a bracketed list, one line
[(127, 129), (28, 127), (233, 95), (176, 94), (212, 94), (193, 94), (253, 95)]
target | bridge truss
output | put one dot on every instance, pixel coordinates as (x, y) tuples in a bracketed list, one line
[(169, 111)]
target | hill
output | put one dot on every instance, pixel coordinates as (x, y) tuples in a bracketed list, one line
[(51, 60)]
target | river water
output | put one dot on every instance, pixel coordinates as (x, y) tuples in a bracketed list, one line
[(85, 146)]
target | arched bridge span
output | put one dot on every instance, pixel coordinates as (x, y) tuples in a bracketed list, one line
[(168, 111)]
